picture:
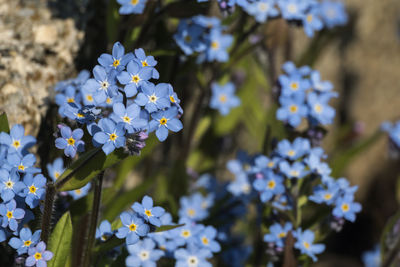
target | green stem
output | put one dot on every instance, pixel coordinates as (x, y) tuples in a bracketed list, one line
[(93, 220), (47, 212)]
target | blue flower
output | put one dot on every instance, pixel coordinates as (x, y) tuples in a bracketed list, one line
[(292, 109), (82, 115), (346, 208), (372, 258), (131, 6), (148, 212), (23, 164), (80, 193), (129, 116), (217, 45), (188, 37), (312, 21), (69, 96), (38, 255), (333, 13), (223, 98), (118, 60), (192, 256), (16, 141), (293, 84), (134, 77), (143, 253), (240, 186), (206, 239), (319, 108), (10, 185), (270, 186), (295, 170), (56, 168), (315, 164), (297, 149), (328, 195), (278, 233), (111, 135), (191, 207), (262, 162), (34, 190), (25, 240), (133, 227), (104, 231), (147, 62), (319, 85), (153, 98), (102, 85), (186, 234), (293, 9), (165, 120), (262, 9), (305, 244), (11, 214), (173, 97), (70, 141)]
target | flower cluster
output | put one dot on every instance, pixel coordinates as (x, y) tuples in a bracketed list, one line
[(203, 35), (312, 15), (223, 98), (304, 95), (119, 105), (294, 177), (22, 188)]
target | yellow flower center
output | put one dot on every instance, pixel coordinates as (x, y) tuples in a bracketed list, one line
[(134, 2), (282, 235), (271, 184), (205, 240), (132, 227), (89, 98), (71, 141), (70, 100), (306, 245), (215, 45), (108, 100), (291, 153), (116, 63), (318, 108), (294, 86), (135, 78), (21, 167), (186, 233), (191, 212), (144, 63), (78, 191), (172, 99), (188, 38), (113, 136), (38, 256), (16, 144), (80, 115), (262, 6), (153, 98), (222, 98), (126, 119), (292, 8), (345, 207), (293, 108), (9, 214), (309, 18), (9, 184), (147, 212), (163, 121), (27, 243), (32, 189), (56, 174), (271, 164), (327, 196), (294, 173)]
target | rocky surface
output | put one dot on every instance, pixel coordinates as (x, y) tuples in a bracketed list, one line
[(36, 51)]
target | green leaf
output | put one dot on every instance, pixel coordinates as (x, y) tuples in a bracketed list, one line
[(60, 242), (167, 227), (87, 167), (4, 123)]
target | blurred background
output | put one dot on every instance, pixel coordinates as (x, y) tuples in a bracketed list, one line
[(46, 41)]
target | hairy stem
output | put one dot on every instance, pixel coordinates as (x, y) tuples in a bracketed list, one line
[(48, 211)]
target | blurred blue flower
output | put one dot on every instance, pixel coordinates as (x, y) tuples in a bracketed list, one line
[(143, 253), (131, 6), (278, 233), (305, 244), (223, 98)]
